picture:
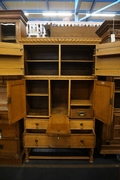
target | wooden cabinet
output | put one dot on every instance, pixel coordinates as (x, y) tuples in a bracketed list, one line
[(12, 25), (106, 29), (11, 144), (59, 97), (12, 109), (107, 122)]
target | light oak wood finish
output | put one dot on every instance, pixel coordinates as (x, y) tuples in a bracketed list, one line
[(11, 59), (107, 59), (59, 80)]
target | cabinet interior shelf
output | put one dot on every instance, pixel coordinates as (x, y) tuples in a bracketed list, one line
[(117, 90), (41, 60), (37, 116), (10, 38), (36, 94), (77, 102), (77, 60)]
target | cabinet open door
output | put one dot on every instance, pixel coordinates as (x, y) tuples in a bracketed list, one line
[(16, 100), (103, 101)]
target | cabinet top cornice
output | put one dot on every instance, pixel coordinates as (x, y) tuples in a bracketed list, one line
[(29, 40)]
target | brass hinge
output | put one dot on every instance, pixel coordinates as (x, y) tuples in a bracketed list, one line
[(9, 100), (111, 101)]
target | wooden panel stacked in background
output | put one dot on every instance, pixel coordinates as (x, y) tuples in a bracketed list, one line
[(73, 31)]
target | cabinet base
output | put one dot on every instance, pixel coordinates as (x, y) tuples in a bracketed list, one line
[(108, 149), (11, 161), (89, 157)]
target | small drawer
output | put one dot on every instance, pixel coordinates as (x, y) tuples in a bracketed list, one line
[(8, 131), (81, 124), (81, 113), (8, 147), (35, 123), (83, 141)]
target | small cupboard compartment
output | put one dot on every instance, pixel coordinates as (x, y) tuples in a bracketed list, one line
[(37, 97), (59, 96), (77, 60), (42, 59), (8, 32), (12, 25), (81, 99), (117, 93)]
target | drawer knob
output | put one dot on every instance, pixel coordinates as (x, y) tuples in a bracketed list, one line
[(1, 146), (81, 125), (81, 113), (37, 124), (36, 141), (82, 142)]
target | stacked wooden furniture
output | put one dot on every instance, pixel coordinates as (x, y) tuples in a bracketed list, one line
[(59, 95), (107, 68), (12, 87), (12, 25), (107, 28), (59, 86)]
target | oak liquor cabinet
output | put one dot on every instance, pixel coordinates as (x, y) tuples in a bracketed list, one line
[(59, 97)]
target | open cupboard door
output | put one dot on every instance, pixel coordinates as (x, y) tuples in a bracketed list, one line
[(103, 101), (16, 100)]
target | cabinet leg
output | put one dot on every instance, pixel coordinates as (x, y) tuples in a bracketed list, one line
[(91, 155), (26, 154)]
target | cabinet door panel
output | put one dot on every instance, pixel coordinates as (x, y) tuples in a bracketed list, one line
[(16, 100), (11, 49), (11, 59), (103, 101)]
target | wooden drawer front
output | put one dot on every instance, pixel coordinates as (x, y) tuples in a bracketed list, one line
[(73, 141), (8, 147), (8, 131), (81, 113), (81, 124), (36, 123), (82, 141)]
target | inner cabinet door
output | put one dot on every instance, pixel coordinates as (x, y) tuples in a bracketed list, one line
[(16, 100), (103, 101), (11, 59)]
